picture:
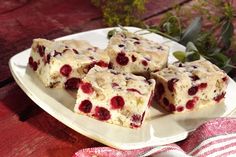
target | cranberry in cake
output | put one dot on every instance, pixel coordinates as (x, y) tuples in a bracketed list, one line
[(114, 97), (64, 63), (133, 53), (190, 86)]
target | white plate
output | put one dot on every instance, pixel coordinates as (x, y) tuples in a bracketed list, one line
[(158, 129)]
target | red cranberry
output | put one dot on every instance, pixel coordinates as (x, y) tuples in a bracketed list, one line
[(121, 45), (31, 61), (136, 118), (219, 97), (134, 90), (102, 64), (133, 125), (102, 113), (85, 106), (133, 58), (66, 70), (179, 108), (41, 50), (225, 79), (35, 66), (122, 59), (202, 86), (194, 77), (165, 101), (171, 84), (117, 102), (48, 58), (72, 83), (99, 63), (144, 62), (110, 65), (190, 104), (160, 90), (87, 88), (193, 90), (172, 107)]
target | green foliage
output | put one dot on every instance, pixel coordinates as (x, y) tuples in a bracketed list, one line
[(171, 25), (204, 42), (191, 33), (191, 53), (121, 12)]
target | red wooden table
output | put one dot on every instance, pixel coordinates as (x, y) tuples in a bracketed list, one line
[(25, 129)]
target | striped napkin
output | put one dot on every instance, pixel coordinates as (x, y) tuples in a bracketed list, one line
[(215, 138)]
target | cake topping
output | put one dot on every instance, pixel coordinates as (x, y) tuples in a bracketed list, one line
[(66, 70), (102, 113), (85, 106), (87, 88), (122, 59), (193, 90), (117, 102), (72, 83)]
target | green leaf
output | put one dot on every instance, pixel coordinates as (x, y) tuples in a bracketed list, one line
[(234, 58), (192, 56), (214, 52), (192, 31), (180, 55), (111, 33), (167, 26), (219, 59), (227, 32), (191, 47)]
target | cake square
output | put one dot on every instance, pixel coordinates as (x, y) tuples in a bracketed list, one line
[(64, 63), (132, 53), (190, 86), (114, 97)]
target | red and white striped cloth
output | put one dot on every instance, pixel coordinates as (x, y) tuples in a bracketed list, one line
[(215, 138)]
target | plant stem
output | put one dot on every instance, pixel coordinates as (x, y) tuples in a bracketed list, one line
[(163, 34)]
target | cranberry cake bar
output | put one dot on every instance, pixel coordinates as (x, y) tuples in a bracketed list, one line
[(189, 86), (114, 97), (132, 53), (64, 63)]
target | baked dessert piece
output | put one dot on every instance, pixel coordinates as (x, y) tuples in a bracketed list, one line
[(133, 53), (190, 86), (64, 63), (113, 97)]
